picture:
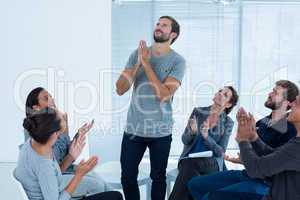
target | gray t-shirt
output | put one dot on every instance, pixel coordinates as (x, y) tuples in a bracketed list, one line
[(147, 116)]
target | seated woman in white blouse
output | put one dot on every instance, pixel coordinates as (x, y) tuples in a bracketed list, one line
[(37, 169)]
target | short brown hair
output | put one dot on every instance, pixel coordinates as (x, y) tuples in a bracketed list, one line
[(292, 90), (175, 26), (233, 100)]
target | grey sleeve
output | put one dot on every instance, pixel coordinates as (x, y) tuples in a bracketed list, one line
[(261, 148), (283, 159), (26, 135), (49, 184), (187, 136), (178, 69), (132, 60), (220, 147)]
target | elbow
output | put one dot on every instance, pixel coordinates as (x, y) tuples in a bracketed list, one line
[(119, 92), (186, 137), (160, 98), (219, 153), (163, 98), (185, 141), (122, 87), (254, 170), (254, 174)]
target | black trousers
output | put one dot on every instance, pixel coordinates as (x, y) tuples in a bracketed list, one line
[(133, 149), (105, 196), (187, 169)]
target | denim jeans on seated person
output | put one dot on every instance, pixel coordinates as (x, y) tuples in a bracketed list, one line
[(227, 181)]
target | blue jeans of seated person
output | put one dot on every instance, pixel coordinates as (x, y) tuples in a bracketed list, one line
[(227, 181), (133, 149)]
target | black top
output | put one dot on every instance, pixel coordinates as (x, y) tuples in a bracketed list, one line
[(276, 134)]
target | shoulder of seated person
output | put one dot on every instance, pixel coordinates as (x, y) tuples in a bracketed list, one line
[(200, 109), (229, 120)]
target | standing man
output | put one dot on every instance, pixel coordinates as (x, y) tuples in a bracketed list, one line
[(155, 73)]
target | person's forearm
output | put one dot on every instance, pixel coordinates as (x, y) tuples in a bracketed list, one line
[(187, 138), (251, 160), (261, 148), (67, 161), (213, 146), (73, 184), (160, 90), (125, 81)]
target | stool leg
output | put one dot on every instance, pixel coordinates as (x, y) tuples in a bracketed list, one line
[(168, 187), (148, 190)]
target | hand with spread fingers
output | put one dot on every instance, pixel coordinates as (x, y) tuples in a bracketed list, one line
[(65, 118), (86, 166), (85, 128), (77, 146), (235, 160), (78, 141)]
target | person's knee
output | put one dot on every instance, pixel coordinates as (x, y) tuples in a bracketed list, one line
[(93, 185), (192, 185), (129, 177), (187, 163), (114, 195), (158, 175), (99, 185), (220, 195), (98, 181)]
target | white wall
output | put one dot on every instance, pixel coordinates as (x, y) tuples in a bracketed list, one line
[(62, 45)]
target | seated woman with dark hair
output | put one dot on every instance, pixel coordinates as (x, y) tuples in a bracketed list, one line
[(66, 151), (37, 169), (209, 129)]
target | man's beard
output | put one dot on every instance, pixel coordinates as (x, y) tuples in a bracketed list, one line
[(273, 105), (161, 39)]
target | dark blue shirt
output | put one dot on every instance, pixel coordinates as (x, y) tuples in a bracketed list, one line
[(277, 134)]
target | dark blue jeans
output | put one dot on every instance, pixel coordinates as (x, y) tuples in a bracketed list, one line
[(133, 149), (113, 195), (231, 185), (227, 195)]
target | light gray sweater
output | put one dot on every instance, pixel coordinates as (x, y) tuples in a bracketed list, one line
[(40, 177)]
